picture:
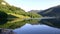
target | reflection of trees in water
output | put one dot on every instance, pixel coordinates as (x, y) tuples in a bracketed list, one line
[(3, 20), (51, 22), (16, 24), (13, 25), (3, 17)]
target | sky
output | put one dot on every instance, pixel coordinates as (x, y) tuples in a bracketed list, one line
[(28, 5)]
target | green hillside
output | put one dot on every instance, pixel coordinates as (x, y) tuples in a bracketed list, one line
[(16, 15), (12, 10)]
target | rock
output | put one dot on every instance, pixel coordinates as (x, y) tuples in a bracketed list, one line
[(6, 31)]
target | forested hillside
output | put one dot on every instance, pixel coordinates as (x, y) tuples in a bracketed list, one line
[(12, 9), (16, 15)]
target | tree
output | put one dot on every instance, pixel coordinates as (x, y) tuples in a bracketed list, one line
[(3, 17)]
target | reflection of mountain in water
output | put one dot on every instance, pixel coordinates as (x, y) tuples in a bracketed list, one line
[(54, 11), (50, 23), (16, 23)]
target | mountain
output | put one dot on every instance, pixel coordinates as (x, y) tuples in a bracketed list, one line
[(35, 11), (51, 12), (15, 16), (12, 10)]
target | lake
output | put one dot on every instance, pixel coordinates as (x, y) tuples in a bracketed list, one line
[(33, 26), (37, 29)]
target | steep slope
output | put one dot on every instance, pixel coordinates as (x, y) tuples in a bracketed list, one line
[(11, 10), (16, 15), (52, 12)]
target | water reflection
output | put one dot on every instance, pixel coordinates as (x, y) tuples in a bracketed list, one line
[(51, 26), (16, 23), (3, 17), (51, 22), (37, 29), (40, 27)]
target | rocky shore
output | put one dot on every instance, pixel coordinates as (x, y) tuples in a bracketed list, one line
[(6, 31)]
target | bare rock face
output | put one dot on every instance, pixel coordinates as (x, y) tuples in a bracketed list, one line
[(6, 31)]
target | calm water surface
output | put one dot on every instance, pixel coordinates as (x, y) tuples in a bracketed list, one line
[(37, 29)]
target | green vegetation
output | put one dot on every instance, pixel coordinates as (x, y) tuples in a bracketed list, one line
[(16, 16), (3, 17)]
